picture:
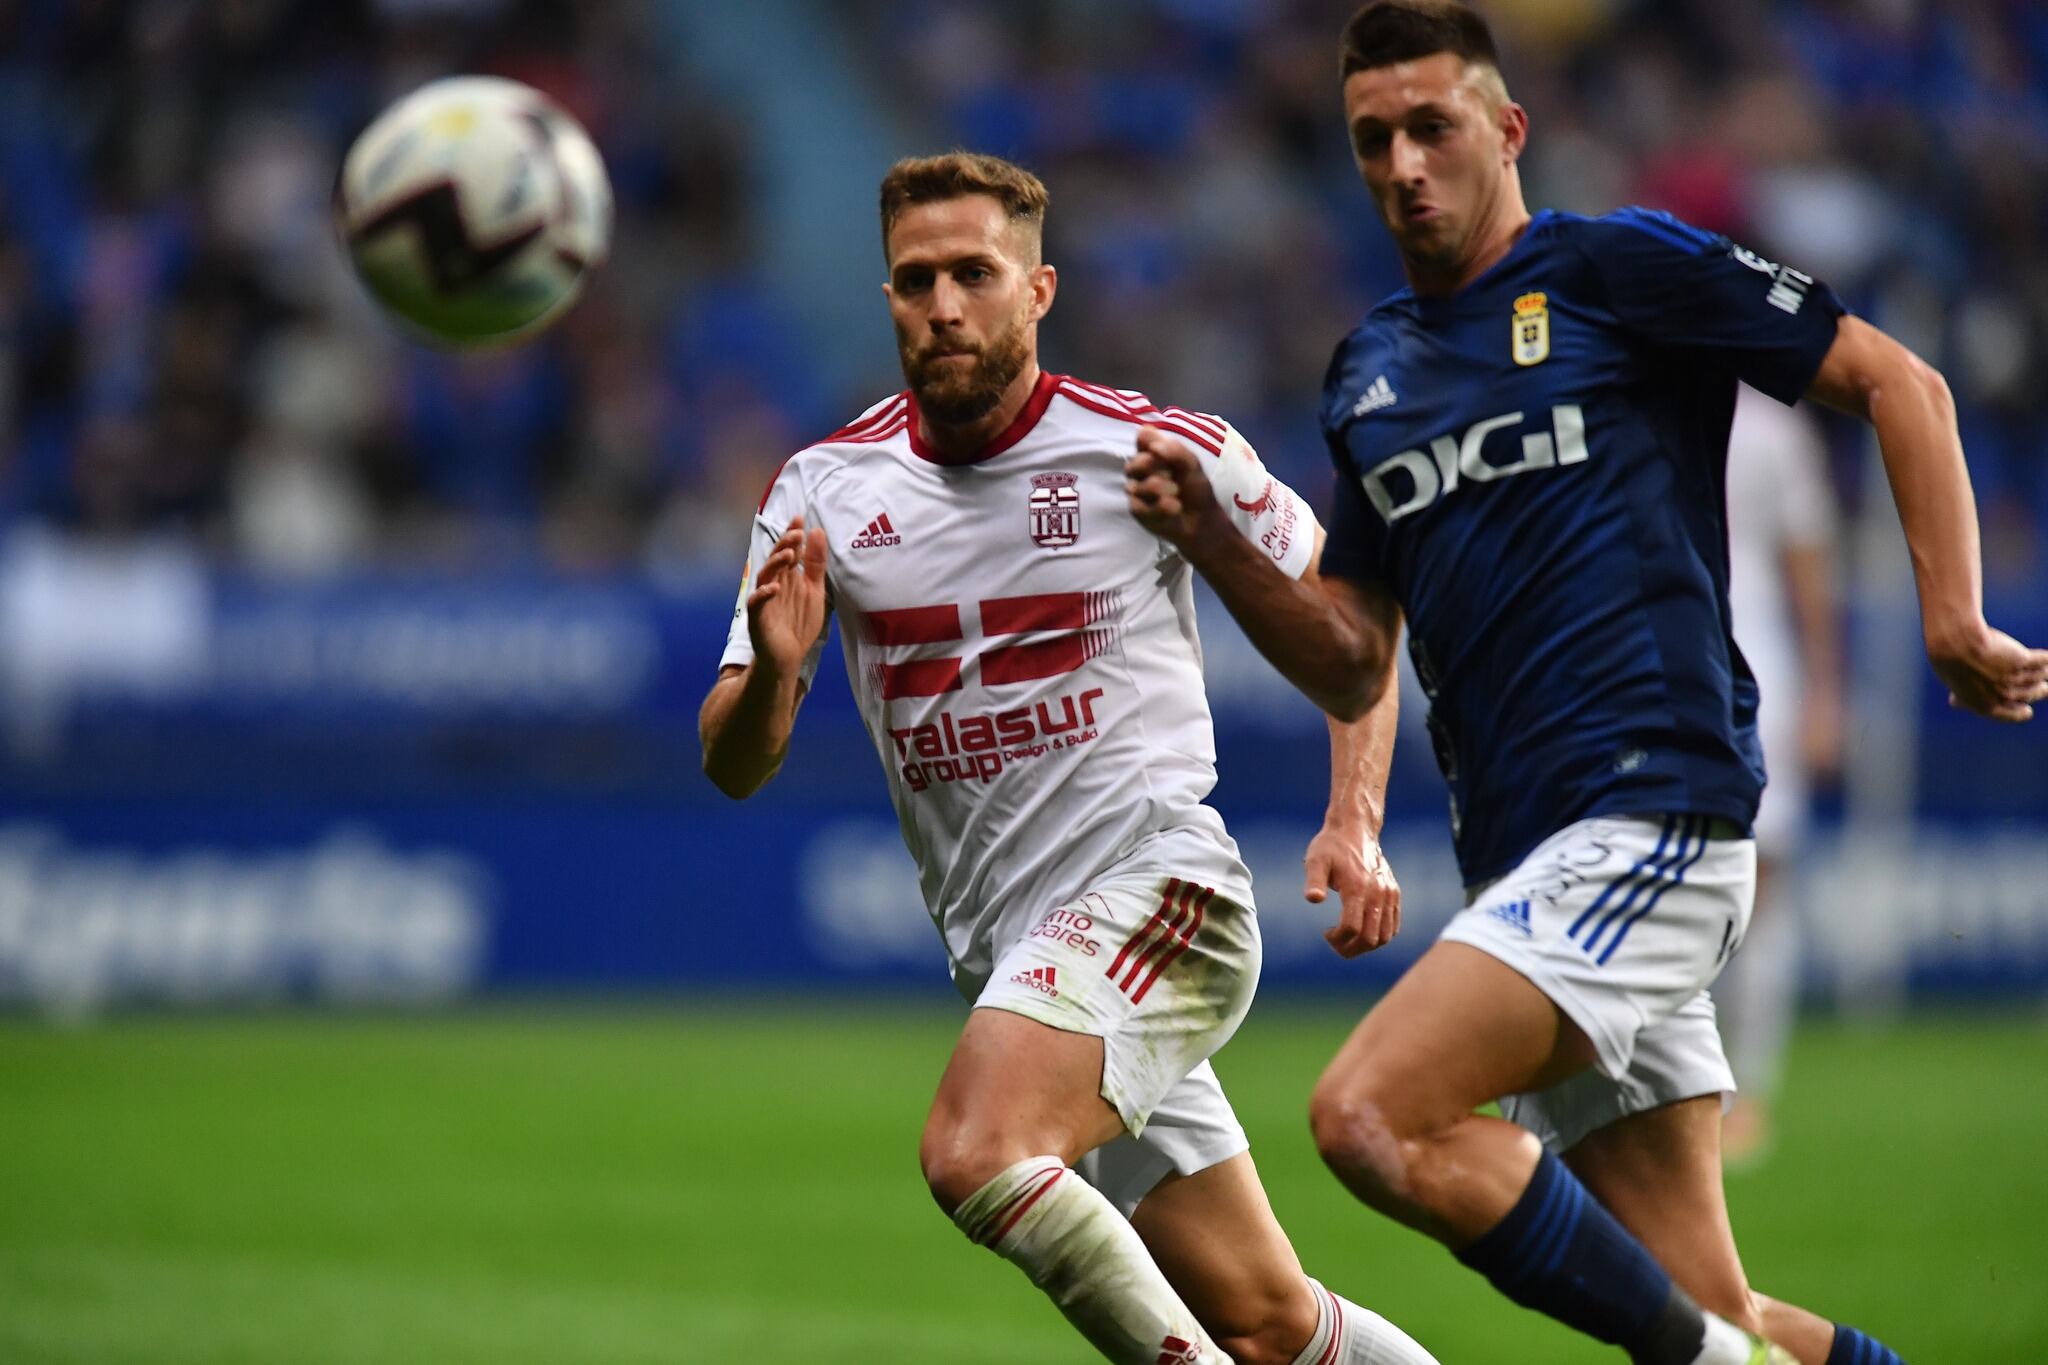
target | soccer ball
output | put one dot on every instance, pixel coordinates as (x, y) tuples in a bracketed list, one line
[(474, 209)]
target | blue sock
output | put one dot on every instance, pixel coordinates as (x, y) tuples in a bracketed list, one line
[(1559, 1252), (1853, 1348)]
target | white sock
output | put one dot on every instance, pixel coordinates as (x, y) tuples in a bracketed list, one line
[(1052, 1225), (1726, 1344), (1349, 1335)]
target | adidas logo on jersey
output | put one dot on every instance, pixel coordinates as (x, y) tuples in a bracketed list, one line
[(1041, 979), (878, 535), (1378, 394)]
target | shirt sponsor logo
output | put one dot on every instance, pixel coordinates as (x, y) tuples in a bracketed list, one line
[(1532, 329), (1055, 510), (1279, 537), (1788, 286), (1069, 928), (1405, 484), (979, 747), (1259, 504)]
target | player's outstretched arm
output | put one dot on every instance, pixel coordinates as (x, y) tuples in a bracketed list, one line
[(1345, 856), (1869, 375), (747, 717), (1326, 636)]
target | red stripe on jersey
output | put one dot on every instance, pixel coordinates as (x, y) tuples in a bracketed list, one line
[(879, 425), (1185, 939), (1142, 406), (1023, 663), (919, 678), (888, 431), (1094, 404), (913, 625), (1045, 611), (881, 417)]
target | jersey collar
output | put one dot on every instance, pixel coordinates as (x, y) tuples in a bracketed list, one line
[(1034, 408), (1537, 222)]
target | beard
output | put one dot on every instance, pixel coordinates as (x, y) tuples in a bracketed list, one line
[(955, 395)]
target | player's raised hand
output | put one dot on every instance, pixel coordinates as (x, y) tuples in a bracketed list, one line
[(1992, 674), (786, 609), (1169, 494), (1351, 863)]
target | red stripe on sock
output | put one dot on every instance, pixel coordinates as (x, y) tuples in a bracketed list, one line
[(1050, 1179), (1336, 1341)]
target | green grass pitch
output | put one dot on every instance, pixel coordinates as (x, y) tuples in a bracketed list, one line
[(739, 1182)]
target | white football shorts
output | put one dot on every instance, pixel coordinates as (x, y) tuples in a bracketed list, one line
[(1162, 969), (1623, 921)]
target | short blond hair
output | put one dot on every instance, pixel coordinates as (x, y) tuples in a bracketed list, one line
[(955, 175)]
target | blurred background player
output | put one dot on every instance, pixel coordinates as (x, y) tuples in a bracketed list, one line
[(1785, 603), (1025, 660), (1530, 445)]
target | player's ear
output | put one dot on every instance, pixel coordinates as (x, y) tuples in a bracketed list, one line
[(1045, 282), (1514, 131)]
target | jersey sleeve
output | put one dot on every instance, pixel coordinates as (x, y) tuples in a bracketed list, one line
[(1698, 294), (784, 501), (1271, 515), (1351, 544)]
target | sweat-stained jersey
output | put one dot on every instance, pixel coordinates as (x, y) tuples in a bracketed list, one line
[(1534, 467), (1023, 652)]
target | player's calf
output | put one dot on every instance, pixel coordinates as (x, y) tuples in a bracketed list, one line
[(1073, 1244)]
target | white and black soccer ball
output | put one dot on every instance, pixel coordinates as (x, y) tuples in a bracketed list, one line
[(474, 209)]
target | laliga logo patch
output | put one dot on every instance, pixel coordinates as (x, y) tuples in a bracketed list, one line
[(1532, 329)]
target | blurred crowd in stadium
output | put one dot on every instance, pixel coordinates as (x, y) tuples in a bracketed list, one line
[(181, 346)]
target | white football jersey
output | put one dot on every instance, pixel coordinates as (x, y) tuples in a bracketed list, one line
[(1023, 652)]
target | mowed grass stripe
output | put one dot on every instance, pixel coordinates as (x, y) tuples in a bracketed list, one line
[(110, 1307), (740, 1181)]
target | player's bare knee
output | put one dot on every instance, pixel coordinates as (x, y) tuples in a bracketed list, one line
[(1357, 1138), (958, 1161)]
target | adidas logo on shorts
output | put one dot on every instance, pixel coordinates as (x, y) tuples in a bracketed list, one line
[(1174, 1351), (1041, 979), (1514, 914)]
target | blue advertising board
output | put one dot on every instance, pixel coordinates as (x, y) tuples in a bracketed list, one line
[(395, 792)]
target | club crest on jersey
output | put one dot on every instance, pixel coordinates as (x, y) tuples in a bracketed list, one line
[(1532, 329), (1055, 510)]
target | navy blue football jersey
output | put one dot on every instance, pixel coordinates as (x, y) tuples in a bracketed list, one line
[(1534, 468)]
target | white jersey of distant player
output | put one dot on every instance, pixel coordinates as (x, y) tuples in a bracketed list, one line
[(1024, 653), (1778, 497)]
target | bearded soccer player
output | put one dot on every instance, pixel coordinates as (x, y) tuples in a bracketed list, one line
[(1024, 656), (1530, 445)]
